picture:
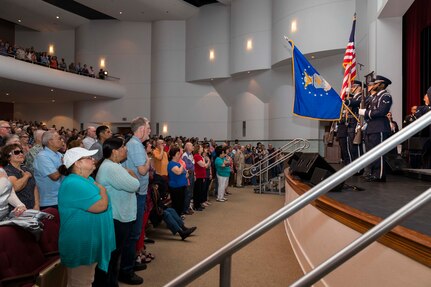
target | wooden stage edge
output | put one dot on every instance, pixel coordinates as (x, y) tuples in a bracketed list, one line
[(404, 240)]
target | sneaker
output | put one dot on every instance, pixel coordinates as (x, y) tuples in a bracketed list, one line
[(220, 200), (131, 279), (225, 198)]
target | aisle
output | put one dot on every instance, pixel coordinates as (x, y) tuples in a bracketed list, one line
[(269, 261)]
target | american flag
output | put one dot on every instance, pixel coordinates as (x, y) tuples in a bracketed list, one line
[(349, 62)]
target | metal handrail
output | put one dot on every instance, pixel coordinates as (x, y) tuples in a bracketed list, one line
[(298, 143), (224, 254)]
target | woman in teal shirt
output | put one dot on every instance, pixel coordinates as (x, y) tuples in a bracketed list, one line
[(87, 233)]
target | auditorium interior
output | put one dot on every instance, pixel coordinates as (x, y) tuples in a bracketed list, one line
[(223, 70)]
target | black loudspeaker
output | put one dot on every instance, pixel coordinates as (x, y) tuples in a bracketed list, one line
[(320, 174), (395, 162), (306, 164), (293, 160)]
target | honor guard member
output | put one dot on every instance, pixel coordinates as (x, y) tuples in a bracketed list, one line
[(342, 139), (353, 102), (426, 132), (378, 128), (410, 118)]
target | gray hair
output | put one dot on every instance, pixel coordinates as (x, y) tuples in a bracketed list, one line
[(37, 134), (47, 136), (137, 123)]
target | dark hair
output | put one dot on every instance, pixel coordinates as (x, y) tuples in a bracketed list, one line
[(219, 150), (5, 153), (63, 170), (110, 144), (101, 129), (172, 152)]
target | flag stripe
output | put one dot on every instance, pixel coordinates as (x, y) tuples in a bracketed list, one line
[(349, 62)]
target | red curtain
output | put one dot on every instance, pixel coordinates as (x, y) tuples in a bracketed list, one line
[(415, 20)]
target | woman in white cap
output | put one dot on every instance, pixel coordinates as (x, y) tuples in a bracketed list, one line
[(87, 233)]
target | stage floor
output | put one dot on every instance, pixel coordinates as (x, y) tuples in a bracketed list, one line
[(383, 198)]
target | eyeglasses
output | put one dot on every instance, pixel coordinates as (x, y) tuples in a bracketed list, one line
[(16, 152), (86, 157)]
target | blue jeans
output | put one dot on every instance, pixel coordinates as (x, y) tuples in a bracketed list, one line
[(173, 221), (129, 252), (189, 192)]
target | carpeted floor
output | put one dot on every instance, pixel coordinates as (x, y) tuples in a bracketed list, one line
[(268, 261)]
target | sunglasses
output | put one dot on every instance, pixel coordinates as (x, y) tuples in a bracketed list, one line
[(17, 152)]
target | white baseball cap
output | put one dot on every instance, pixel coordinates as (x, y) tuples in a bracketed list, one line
[(74, 154)]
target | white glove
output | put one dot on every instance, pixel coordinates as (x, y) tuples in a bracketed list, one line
[(362, 112)]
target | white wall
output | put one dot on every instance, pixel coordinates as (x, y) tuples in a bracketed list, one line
[(126, 48), (63, 41), (188, 109), (250, 21), (208, 30), (60, 114), (321, 25), (389, 60)]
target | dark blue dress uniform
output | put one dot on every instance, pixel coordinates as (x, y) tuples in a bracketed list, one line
[(426, 132), (342, 139), (355, 150), (378, 126)]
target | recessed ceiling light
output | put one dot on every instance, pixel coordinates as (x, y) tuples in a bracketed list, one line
[(7, 94), (121, 12), (53, 101), (19, 20), (248, 72), (94, 97), (312, 57), (58, 17), (52, 90)]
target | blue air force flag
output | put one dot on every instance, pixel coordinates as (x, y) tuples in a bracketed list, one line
[(314, 96)]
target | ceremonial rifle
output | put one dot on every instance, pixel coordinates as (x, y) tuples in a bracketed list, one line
[(360, 125)]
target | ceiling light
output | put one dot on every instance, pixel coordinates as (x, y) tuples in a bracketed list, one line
[(53, 101), (52, 90), (19, 20), (58, 17), (7, 94), (312, 57), (94, 97), (248, 72), (121, 12), (212, 55), (212, 79)]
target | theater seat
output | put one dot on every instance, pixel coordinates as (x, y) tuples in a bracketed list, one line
[(49, 238), (22, 257)]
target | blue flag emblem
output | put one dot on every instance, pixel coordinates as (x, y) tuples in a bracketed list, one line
[(314, 96)]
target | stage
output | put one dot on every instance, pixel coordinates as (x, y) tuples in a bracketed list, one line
[(335, 219), (383, 198)]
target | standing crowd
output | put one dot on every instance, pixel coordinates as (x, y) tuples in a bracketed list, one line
[(108, 187)]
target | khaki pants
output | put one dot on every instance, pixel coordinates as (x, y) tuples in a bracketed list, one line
[(81, 276), (239, 176)]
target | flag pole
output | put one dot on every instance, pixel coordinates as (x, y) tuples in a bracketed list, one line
[(350, 111)]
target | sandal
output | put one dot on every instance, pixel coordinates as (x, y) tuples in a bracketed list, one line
[(148, 255), (145, 259)]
